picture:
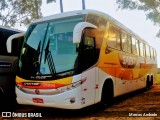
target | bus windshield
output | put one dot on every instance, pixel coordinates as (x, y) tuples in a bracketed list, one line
[(48, 50)]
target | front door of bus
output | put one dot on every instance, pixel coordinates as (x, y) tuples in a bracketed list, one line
[(88, 72)]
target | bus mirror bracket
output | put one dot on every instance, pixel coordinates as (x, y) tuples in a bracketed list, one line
[(77, 32), (10, 39)]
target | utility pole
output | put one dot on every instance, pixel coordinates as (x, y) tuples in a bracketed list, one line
[(83, 5), (61, 6)]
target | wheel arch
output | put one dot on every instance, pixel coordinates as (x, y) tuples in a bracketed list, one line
[(108, 81)]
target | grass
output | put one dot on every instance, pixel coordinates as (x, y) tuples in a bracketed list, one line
[(158, 78)]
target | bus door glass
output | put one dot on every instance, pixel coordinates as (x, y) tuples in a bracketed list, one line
[(87, 49), (87, 54)]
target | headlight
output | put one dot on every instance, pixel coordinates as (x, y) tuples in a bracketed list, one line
[(71, 86)]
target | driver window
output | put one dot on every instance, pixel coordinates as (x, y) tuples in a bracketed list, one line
[(88, 50), (88, 43)]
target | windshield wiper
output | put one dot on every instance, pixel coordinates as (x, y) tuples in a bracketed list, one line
[(38, 53), (49, 58)]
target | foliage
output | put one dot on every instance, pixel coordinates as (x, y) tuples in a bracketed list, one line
[(150, 7), (19, 11)]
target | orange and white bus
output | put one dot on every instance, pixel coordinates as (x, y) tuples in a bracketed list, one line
[(75, 59)]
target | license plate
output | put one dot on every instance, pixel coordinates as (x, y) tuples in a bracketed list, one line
[(37, 100)]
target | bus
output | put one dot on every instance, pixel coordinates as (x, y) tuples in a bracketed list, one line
[(8, 65), (79, 58)]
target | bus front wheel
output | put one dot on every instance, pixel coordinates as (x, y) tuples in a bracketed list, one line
[(107, 94)]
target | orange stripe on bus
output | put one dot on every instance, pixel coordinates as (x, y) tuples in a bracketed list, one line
[(42, 85)]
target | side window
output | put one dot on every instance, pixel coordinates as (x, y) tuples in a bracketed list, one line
[(142, 52), (3, 49), (17, 45), (101, 23), (135, 46), (89, 42), (1, 35), (8, 33), (147, 51), (126, 42), (155, 54), (152, 53), (114, 38)]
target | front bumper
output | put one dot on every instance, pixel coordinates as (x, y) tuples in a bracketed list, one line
[(71, 99)]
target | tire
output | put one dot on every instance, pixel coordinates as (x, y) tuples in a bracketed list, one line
[(107, 94), (148, 83), (151, 80), (7, 102)]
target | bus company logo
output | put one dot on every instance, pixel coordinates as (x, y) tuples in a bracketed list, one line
[(127, 61), (31, 84), (6, 114), (37, 91)]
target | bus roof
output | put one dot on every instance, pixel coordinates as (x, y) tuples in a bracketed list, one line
[(12, 29), (85, 12)]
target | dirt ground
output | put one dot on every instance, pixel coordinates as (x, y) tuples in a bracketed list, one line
[(140, 105)]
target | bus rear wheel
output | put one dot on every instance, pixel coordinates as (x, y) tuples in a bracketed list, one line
[(149, 82), (107, 94)]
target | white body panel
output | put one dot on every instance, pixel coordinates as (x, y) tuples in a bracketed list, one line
[(84, 95), (57, 101), (89, 87)]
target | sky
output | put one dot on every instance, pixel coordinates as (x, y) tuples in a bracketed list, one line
[(134, 20)]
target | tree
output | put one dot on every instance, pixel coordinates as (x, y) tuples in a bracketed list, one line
[(150, 7), (19, 11)]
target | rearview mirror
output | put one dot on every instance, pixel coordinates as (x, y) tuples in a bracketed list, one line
[(77, 32)]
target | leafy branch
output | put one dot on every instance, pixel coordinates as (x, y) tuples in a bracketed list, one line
[(150, 7)]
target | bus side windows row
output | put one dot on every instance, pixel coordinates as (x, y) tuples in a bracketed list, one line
[(122, 41)]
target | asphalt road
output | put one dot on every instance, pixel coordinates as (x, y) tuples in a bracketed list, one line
[(141, 105)]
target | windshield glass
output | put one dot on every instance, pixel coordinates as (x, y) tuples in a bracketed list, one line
[(48, 49)]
